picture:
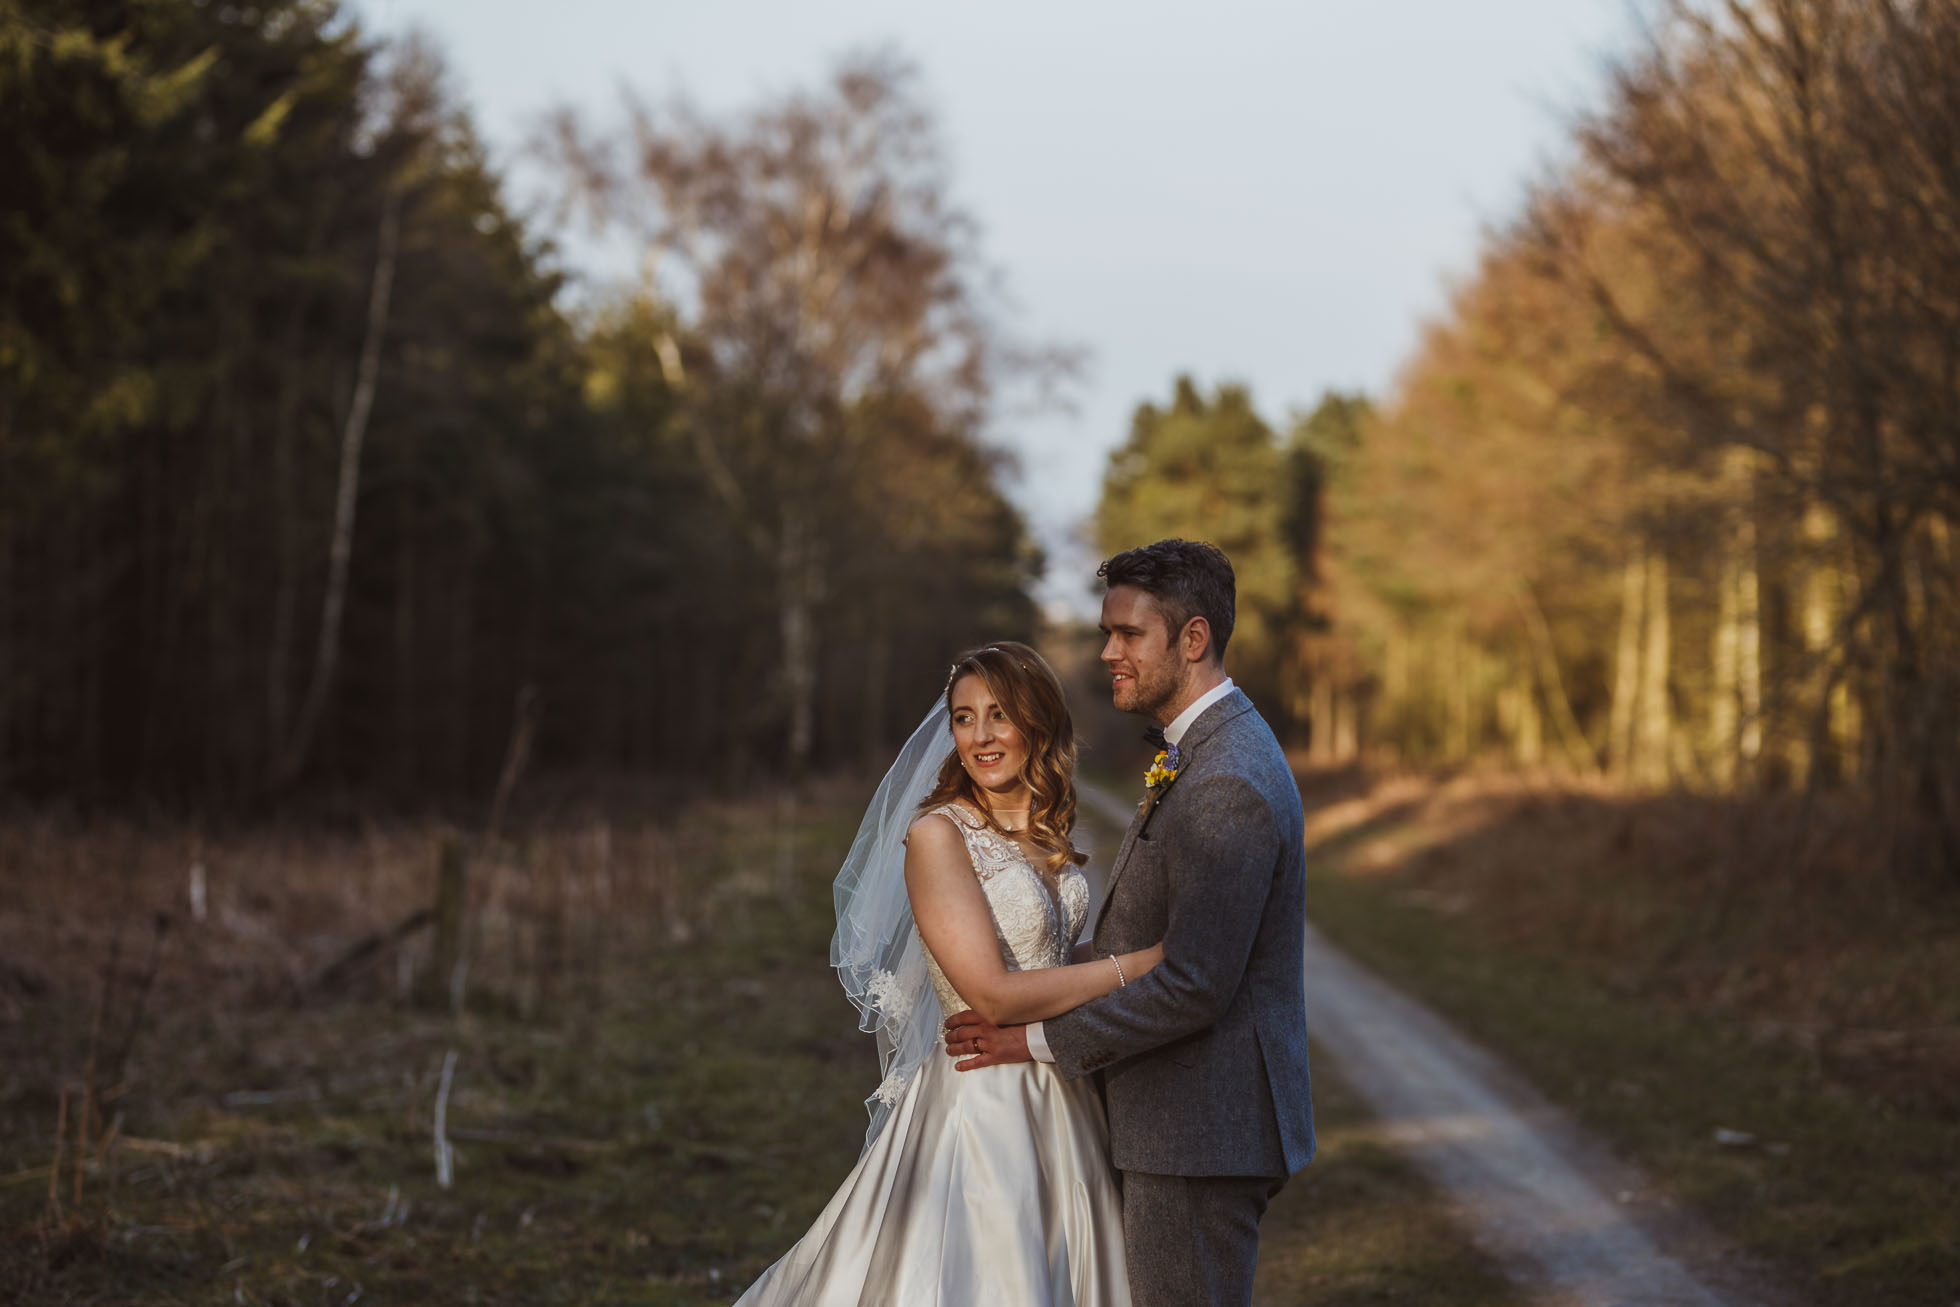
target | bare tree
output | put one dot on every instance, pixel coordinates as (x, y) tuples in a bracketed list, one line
[(812, 251), (326, 656), (1798, 156)]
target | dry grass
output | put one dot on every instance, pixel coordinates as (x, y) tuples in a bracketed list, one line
[(274, 1141), (254, 915), (1670, 966), (1746, 912), (657, 1081)]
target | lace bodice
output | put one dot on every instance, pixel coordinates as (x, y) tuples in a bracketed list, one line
[(1035, 924)]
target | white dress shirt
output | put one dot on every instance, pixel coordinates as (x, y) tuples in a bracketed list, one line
[(1037, 1041)]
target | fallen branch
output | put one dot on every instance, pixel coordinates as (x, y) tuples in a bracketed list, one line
[(344, 965)]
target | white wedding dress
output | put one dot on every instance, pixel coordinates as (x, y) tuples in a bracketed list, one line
[(986, 1188)]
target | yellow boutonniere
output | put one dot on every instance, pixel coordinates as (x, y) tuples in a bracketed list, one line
[(1163, 769)]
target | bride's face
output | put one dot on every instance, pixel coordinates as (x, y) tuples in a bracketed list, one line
[(991, 749)]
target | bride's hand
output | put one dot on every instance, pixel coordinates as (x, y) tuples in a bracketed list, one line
[(982, 1043), (1152, 956)]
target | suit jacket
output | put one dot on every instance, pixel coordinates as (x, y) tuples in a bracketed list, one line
[(1204, 1059)]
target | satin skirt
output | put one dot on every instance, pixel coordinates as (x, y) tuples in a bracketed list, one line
[(988, 1188)]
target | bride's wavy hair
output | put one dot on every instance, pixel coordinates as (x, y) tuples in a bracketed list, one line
[(1030, 693)]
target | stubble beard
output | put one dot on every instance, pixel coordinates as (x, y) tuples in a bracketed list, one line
[(1149, 698)]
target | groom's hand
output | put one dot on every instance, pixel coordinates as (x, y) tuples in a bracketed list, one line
[(982, 1043)]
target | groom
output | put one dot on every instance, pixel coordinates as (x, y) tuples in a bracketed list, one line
[(1204, 1058)]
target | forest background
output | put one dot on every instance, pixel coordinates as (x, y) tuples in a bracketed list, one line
[(319, 505), (308, 476)]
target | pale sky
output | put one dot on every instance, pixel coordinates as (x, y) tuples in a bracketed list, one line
[(1273, 193)]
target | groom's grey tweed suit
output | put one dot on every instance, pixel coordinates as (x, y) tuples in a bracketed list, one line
[(1204, 1059)]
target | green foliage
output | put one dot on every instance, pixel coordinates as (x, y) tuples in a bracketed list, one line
[(1213, 470), (202, 203), (1320, 450)]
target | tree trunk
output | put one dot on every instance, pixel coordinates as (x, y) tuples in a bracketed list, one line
[(1320, 740), (1530, 730), (458, 691), (1396, 680), (1812, 754), (1735, 709), (1747, 578), (1456, 672), (407, 755), (9, 676), (327, 654), (1345, 727), (1653, 723), (285, 508), (1300, 681), (1578, 751), (1626, 666), (796, 586), (1725, 680), (877, 678)]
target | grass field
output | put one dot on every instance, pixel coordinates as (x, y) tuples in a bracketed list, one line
[(636, 1129), (1663, 967), (656, 1081)]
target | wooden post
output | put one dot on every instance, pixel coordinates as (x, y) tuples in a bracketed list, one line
[(452, 891)]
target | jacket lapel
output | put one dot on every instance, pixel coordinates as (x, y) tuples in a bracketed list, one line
[(1232, 705)]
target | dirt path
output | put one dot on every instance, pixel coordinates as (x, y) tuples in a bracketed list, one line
[(1567, 1221)]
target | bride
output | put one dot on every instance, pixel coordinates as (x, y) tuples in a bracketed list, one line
[(964, 890)]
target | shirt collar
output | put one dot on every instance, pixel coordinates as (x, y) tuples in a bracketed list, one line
[(1182, 722)]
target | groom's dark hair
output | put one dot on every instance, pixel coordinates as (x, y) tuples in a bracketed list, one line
[(1187, 578)]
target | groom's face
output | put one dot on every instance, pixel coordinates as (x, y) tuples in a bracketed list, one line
[(1144, 670)]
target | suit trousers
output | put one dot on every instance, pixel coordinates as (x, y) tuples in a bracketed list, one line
[(1193, 1240)]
